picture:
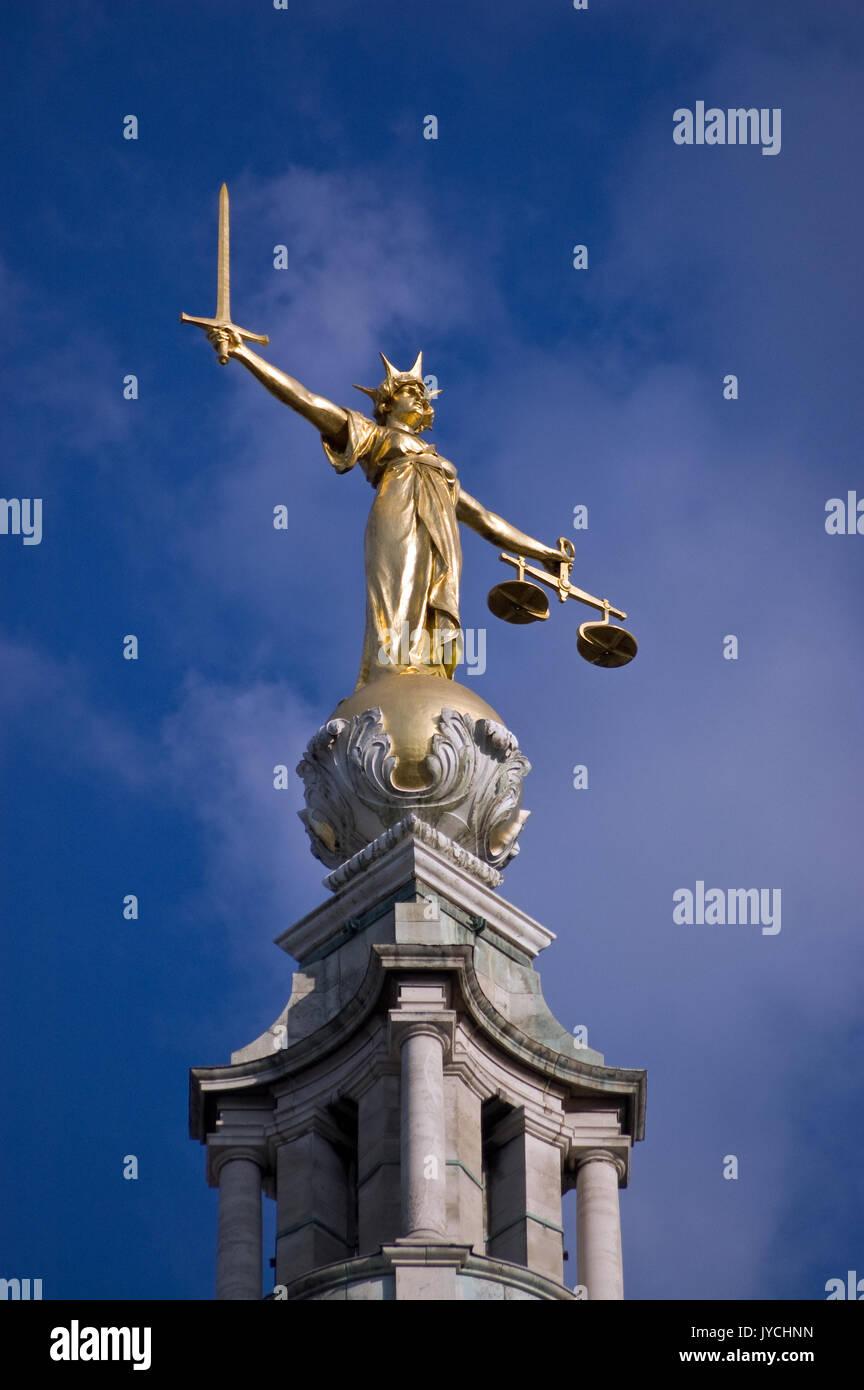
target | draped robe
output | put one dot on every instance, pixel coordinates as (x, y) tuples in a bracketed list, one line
[(412, 550)]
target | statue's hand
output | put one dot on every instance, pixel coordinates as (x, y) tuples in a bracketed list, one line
[(557, 558), (225, 341)]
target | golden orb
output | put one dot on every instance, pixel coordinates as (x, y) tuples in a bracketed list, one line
[(410, 703)]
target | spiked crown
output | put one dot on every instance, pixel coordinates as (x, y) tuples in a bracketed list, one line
[(383, 395)]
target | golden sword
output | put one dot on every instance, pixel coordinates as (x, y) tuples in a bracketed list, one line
[(223, 287)]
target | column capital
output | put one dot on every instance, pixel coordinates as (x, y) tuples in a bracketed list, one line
[(220, 1152), (240, 1131), (411, 1023), (602, 1156)]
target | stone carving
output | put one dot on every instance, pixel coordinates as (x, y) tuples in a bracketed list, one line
[(472, 797), (418, 829)]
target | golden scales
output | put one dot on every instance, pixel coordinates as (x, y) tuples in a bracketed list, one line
[(520, 601)]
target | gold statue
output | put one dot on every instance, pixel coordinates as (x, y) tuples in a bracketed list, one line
[(412, 551)]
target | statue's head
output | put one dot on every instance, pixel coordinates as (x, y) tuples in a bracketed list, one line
[(403, 398)]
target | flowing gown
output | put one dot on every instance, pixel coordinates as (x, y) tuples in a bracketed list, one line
[(413, 552)]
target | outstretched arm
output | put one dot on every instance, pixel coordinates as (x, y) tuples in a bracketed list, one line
[(497, 531), (331, 420)]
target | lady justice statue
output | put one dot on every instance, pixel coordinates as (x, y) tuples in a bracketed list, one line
[(413, 563), (412, 551)]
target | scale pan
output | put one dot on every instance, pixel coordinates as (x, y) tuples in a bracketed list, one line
[(604, 644), (517, 601)]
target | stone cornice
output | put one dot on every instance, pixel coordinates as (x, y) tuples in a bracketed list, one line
[(411, 826), (624, 1087), (311, 1120), (411, 858), (522, 1121), (620, 1082)]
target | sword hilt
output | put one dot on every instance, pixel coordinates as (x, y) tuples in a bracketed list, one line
[(223, 325)]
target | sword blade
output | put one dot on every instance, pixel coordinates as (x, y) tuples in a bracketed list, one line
[(223, 280)]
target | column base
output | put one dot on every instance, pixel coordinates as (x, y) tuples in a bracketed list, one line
[(409, 1272), (423, 1238)]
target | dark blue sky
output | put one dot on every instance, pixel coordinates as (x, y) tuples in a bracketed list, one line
[(601, 387)]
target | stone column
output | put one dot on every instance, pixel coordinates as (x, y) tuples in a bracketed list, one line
[(312, 1201), (379, 1126), (238, 1274), (524, 1194), (464, 1153), (424, 1179), (598, 1225)]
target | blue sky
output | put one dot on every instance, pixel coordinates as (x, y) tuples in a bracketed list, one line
[(600, 387)]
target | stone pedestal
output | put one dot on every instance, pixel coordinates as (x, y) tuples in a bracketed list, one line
[(416, 1111)]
